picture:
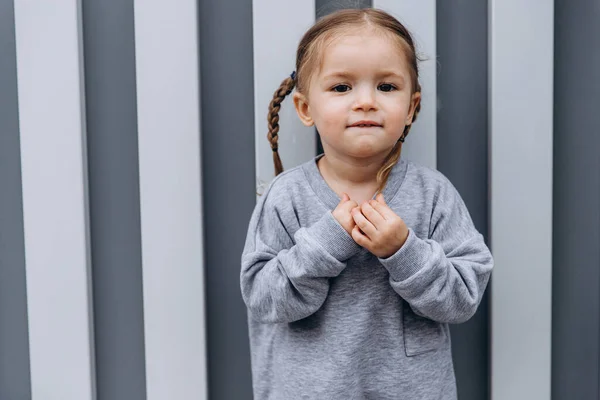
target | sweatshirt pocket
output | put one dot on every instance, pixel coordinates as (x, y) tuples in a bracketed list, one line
[(421, 334)]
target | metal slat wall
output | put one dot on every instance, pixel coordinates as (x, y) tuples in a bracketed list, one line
[(118, 176), (58, 221)]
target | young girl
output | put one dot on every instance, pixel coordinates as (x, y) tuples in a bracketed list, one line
[(356, 261)]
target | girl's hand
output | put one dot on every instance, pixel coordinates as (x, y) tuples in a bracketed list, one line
[(378, 228), (342, 213)]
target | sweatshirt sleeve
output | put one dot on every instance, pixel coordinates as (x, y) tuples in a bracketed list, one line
[(284, 276), (443, 277)]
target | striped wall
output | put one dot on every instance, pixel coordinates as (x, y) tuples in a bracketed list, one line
[(133, 140), (109, 134)]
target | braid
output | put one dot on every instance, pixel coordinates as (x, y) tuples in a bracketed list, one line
[(394, 156), (284, 89)]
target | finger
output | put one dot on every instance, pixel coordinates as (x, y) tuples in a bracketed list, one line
[(359, 237), (380, 208), (383, 208), (363, 223), (345, 197), (372, 214)]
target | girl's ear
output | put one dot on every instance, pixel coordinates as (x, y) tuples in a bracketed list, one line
[(302, 109), (414, 103)]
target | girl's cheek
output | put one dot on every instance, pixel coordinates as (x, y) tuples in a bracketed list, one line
[(336, 116)]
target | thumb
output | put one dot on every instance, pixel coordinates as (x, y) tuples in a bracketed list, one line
[(347, 203), (343, 201)]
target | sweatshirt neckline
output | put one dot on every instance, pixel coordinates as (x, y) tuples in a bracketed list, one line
[(331, 199)]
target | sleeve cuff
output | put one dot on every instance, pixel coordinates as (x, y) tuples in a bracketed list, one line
[(408, 260), (332, 237)]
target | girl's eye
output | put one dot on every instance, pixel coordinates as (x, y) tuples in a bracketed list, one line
[(341, 88), (386, 87)]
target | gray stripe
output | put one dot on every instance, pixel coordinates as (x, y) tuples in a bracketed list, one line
[(576, 193), (462, 155), (114, 199), (228, 168), (324, 7), (15, 382)]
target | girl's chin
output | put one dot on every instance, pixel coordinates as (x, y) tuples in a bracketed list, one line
[(365, 146), (368, 151)]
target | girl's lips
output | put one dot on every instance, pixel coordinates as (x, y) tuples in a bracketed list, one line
[(365, 124)]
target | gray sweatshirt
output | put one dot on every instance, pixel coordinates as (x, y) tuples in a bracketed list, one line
[(329, 320)]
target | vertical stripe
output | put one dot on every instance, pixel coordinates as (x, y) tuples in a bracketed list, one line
[(166, 39), (420, 19), (326, 7), (463, 157), (576, 244), (277, 30), (54, 178), (521, 196), (15, 382), (229, 184), (114, 199)]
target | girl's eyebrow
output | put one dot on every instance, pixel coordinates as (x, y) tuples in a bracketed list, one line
[(339, 74), (391, 74), (380, 75)]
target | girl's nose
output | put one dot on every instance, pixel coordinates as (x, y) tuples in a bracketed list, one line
[(365, 100)]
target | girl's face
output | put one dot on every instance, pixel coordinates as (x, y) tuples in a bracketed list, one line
[(361, 99)]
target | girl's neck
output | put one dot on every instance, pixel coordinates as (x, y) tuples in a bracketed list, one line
[(350, 172), (358, 180)]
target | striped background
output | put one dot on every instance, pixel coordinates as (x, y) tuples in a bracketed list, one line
[(128, 175)]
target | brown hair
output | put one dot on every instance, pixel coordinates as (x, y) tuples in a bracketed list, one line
[(309, 52)]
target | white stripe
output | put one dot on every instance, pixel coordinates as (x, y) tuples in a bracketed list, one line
[(277, 29), (166, 42), (55, 207), (521, 101), (419, 17)]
